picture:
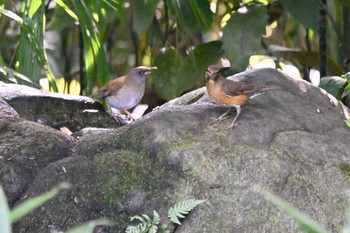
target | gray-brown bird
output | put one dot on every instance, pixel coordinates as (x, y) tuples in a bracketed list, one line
[(230, 93), (127, 91)]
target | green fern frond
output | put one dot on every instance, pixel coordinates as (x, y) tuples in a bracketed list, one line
[(141, 228), (153, 229), (182, 208), (156, 218), (136, 217)]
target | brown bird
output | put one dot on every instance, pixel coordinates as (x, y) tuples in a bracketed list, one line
[(127, 91), (231, 93)]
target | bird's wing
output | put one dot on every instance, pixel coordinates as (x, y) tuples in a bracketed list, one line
[(232, 88), (110, 88)]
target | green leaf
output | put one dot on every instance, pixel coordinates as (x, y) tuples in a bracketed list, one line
[(30, 52), (29, 205), (176, 75), (304, 221), (11, 15), (242, 35), (60, 19), (5, 222), (347, 122), (20, 78), (89, 226), (156, 218), (182, 208), (164, 80), (141, 228), (194, 14), (346, 91), (143, 15), (333, 85), (305, 12), (94, 52)]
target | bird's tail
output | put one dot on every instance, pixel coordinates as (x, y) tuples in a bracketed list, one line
[(265, 89)]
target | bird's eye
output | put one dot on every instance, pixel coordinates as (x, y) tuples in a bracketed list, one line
[(141, 72)]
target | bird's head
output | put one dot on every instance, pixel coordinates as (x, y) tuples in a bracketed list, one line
[(141, 72), (212, 73)]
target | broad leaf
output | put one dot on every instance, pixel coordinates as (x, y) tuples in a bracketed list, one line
[(176, 75), (306, 12), (143, 15), (242, 35), (195, 14), (333, 85)]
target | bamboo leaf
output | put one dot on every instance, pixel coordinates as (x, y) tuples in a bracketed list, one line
[(94, 52), (30, 53), (29, 205), (11, 15), (5, 222), (89, 226), (304, 221)]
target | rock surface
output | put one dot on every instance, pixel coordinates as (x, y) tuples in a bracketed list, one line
[(292, 142), (56, 110)]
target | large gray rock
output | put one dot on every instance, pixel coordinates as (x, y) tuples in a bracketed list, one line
[(56, 110), (293, 142)]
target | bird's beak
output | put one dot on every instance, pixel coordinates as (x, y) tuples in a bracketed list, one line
[(150, 69)]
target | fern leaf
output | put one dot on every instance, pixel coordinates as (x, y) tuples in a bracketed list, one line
[(146, 218), (182, 208), (137, 217), (141, 228), (153, 229), (156, 218)]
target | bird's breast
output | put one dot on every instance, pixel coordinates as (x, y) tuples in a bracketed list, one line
[(217, 94), (126, 98)]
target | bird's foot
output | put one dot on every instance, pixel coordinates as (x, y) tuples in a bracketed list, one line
[(220, 118), (232, 125)]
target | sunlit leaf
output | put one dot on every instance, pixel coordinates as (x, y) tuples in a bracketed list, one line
[(347, 122), (242, 36), (11, 15), (305, 12), (29, 205), (95, 56), (30, 52), (5, 222)]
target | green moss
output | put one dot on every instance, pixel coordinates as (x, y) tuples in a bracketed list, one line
[(122, 172), (345, 168)]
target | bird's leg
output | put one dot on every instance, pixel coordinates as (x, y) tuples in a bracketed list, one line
[(128, 114), (222, 117), (234, 122)]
